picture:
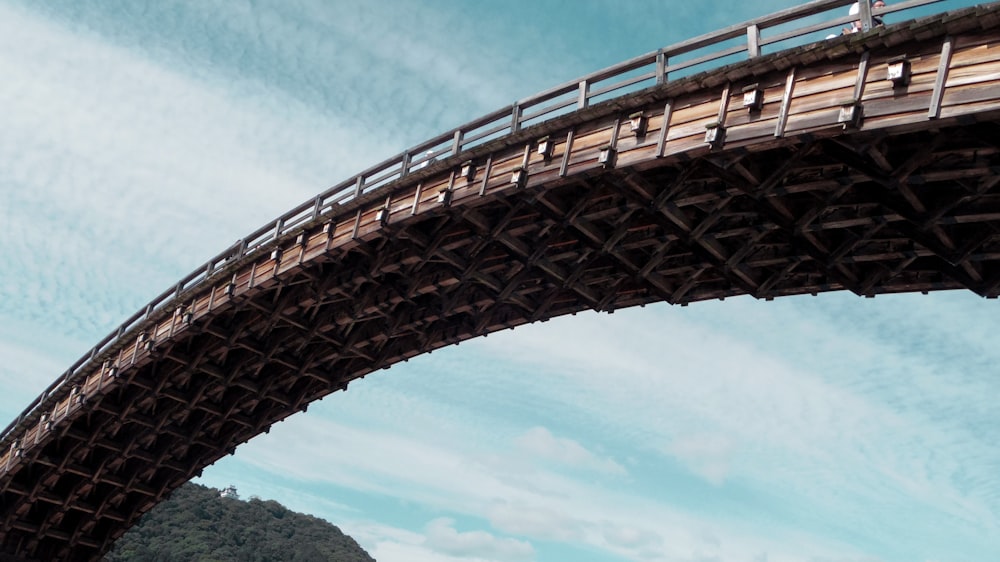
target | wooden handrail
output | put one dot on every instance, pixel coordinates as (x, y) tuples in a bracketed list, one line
[(509, 119)]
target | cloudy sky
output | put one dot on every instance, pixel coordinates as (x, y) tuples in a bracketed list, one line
[(140, 140)]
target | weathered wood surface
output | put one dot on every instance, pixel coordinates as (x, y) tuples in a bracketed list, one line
[(789, 200)]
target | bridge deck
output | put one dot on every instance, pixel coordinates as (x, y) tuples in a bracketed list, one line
[(839, 179)]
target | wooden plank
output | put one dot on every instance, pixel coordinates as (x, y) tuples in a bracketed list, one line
[(693, 131), (451, 181), (786, 103), (567, 150), (750, 131), (905, 105), (503, 166), (884, 89), (664, 129), (977, 41), (834, 97), (804, 122), (357, 224), (615, 129), (723, 105), (771, 90), (817, 87), (988, 92), (464, 187), (969, 75), (895, 119), (487, 170), (973, 56), (593, 137), (636, 155), (692, 145), (693, 98), (859, 86), (971, 109)]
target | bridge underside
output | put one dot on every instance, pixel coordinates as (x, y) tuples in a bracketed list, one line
[(867, 214), (871, 212)]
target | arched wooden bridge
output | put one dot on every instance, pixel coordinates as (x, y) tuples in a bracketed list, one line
[(866, 163)]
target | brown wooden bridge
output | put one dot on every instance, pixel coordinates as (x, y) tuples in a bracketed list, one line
[(866, 163)]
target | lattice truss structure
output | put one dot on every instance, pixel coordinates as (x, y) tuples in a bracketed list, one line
[(869, 214), (834, 206)]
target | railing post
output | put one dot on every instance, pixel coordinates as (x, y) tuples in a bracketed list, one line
[(359, 185), (584, 91), (865, 15), (753, 40), (318, 202), (456, 143), (515, 118), (661, 68), (405, 165)]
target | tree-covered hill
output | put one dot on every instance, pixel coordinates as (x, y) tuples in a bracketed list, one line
[(196, 525)]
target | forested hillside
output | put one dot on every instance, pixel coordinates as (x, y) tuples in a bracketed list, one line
[(195, 524)]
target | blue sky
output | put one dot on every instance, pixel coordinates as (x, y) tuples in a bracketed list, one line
[(141, 140)]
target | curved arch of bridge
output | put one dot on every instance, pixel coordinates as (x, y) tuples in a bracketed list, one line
[(867, 164)]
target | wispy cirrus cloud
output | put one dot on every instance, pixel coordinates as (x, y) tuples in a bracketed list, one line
[(708, 455), (540, 441), (438, 541), (31, 360), (111, 160), (826, 459), (442, 536), (806, 429), (528, 498)]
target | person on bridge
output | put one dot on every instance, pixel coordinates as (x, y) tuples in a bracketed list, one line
[(856, 25), (429, 158)]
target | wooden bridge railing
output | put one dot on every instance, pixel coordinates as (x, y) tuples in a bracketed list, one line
[(705, 52)]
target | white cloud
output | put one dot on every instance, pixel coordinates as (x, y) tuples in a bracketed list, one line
[(389, 551), (121, 174), (662, 379), (528, 518), (437, 542), (633, 538), (708, 455), (446, 475), (31, 361), (442, 537), (541, 442)]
